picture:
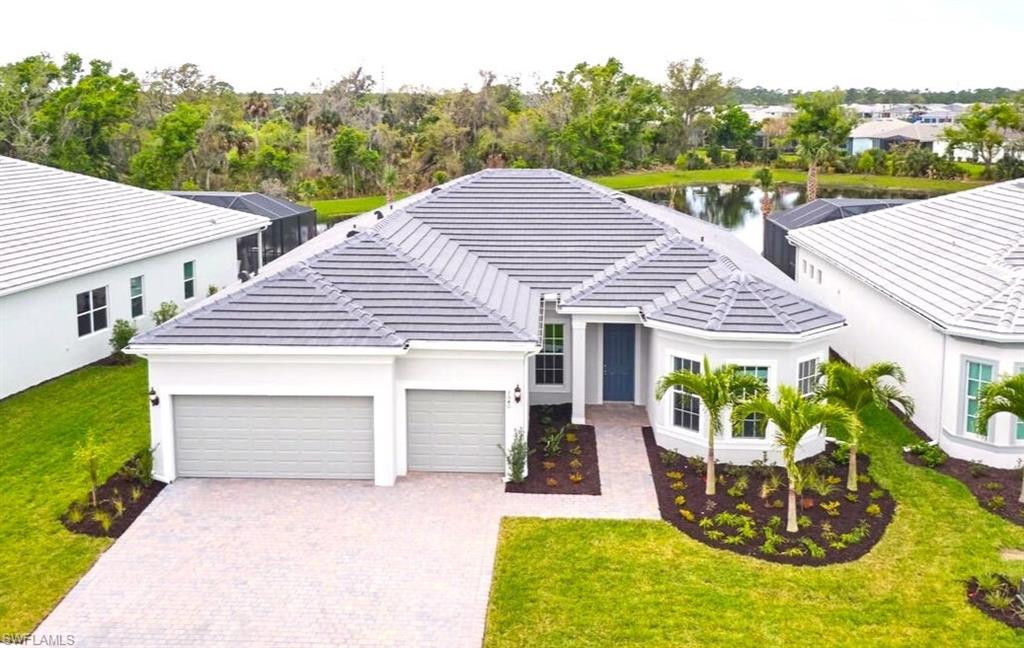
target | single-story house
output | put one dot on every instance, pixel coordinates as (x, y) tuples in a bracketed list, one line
[(776, 246), (886, 133), (419, 342), (291, 224), (80, 253), (936, 285)]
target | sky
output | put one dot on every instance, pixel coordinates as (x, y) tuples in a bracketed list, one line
[(786, 44)]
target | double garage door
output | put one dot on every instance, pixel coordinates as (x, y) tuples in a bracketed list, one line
[(332, 437)]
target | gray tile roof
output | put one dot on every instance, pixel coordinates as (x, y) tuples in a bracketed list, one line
[(246, 201), (55, 224), (824, 210), (955, 259), (471, 260)]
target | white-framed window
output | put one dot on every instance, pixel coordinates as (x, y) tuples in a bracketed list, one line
[(91, 307), (135, 289), (685, 405), (189, 272), (550, 362), (807, 374), (978, 374), (751, 427)]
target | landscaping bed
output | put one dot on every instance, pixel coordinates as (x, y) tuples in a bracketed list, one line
[(996, 489), (997, 597), (748, 512), (573, 469), (121, 499)]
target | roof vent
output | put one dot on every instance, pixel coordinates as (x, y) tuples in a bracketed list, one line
[(351, 233), (435, 189), (380, 214)]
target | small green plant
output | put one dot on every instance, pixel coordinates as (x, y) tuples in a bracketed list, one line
[(570, 437), (827, 533), (852, 497), (988, 582), (516, 457), (706, 523), (993, 486), (864, 479), (734, 540), (669, 457), (576, 451), (89, 455), (997, 503), (739, 487), (744, 507), (680, 500), (714, 534), (677, 486), (999, 600), (777, 504), (576, 477), (803, 522), (698, 464), (575, 463), (167, 310), (118, 505), (551, 481), (823, 463), (551, 442), (813, 548), (545, 420), (212, 290), (794, 552), (136, 493), (548, 465), (841, 455), (814, 482), (774, 522), (687, 515), (856, 534), (103, 519), (674, 474), (770, 485), (977, 469), (874, 510), (876, 493), (831, 508), (76, 513), (833, 480), (120, 335), (930, 455)]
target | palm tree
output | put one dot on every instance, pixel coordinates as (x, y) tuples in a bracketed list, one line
[(717, 389), (879, 384), (764, 180), (794, 416), (1003, 395), (388, 182), (816, 151)]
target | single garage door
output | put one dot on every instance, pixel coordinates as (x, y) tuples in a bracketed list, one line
[(456, 431), (274, 436)]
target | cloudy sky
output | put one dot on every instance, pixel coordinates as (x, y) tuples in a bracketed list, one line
[(937, 44)]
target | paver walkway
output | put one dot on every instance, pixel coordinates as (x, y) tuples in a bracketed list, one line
[(328, 563)]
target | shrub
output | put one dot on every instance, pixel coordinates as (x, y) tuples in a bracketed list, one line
[(841, 455), (877, 493), (993, 486), (988, 582), (803, 522), (575, 464), (516, 456), (739, 487), (852, 497), (998, 600), (136, 493), (714, 152), (680, 500), (212, 290), (813, 548), (674, 474), (977, 469), (570, 437), (89, 455), (549, 465), (930, 455), (576, 477), (552, 482), (576, 451), (118, 505), (677, 486), (744, 507), (874, 510), (997, 503), (831, 508), (552, 441), (687, 515), (75, 513), (121, 334), (698, 465), (669, 457), (167, 310), (103, 519), (770, 485)]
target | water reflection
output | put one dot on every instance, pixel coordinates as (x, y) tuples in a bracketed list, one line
[(737, 207)]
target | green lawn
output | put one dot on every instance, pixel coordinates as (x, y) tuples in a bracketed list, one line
[(668, 177), (39, 559), (337, 207), (598, 583)]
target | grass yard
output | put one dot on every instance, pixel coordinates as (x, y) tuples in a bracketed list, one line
[(668, 177), (602, 583), (40, 560), (336, 207)]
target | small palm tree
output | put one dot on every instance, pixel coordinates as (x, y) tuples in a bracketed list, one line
[(717, 389), (816, 151), (879, 384), (765, 181), (388, 181), (1003, 395), (794, 416)]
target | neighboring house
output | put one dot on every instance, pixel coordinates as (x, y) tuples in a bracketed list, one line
[(79, 253), (937, 286), (885, 133), (291, 224), (419, 342), (777, 248)]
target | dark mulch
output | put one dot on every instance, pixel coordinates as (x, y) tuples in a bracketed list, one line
[(542, 417), (1012, 616), (850, 514), (117, 487), (987, 485), (115, 360)]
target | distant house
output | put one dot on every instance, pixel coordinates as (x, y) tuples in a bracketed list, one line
[(886, 133), (79, 253), (938, 286), (781, 252), (291, 224)]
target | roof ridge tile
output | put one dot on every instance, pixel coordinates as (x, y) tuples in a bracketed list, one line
[(350, 304)]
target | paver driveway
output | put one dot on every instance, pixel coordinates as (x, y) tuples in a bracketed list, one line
[(328, 563)]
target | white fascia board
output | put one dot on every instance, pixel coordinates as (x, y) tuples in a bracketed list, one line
[(445, 345), (600, 310), (982, 336), (154, 350), (236, 233), (744, 337)]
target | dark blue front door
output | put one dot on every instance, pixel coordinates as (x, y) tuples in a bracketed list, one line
[(618, 362)]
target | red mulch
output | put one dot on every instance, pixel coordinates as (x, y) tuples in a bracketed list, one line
[(850, 514), (542, 417), (118, 486), (985, 484), (1012, 616)]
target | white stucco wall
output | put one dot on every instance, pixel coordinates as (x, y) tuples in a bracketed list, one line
[(781, 358), (38, 327), (385, 378)]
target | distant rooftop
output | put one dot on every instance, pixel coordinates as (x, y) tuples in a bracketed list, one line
[(247, 201)]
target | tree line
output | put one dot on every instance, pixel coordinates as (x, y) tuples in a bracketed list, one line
[(179, 128)]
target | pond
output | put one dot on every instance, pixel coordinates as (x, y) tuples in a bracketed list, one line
[(737, 207)]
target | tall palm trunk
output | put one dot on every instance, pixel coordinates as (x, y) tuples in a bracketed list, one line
[(812, 181), (851, 475), (791, 525), (766, 204), (709, 483)]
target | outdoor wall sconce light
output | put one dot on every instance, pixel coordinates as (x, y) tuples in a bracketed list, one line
[(517, 394), (154, 400)]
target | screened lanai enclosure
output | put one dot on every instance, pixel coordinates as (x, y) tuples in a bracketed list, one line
[(291, 224)]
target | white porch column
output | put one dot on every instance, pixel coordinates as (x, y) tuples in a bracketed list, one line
[(579, 371)]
